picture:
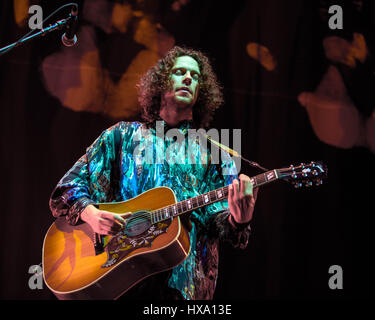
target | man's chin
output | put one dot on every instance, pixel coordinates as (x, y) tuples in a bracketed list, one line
[(184, 101)]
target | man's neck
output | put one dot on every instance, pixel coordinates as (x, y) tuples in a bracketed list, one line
[(173, 115)]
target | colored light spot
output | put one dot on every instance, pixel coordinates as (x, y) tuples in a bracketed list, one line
[(262, 54)]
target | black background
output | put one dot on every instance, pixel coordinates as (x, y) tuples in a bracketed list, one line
[(297, 234)]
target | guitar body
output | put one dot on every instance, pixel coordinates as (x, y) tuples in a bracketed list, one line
[(77, 264)]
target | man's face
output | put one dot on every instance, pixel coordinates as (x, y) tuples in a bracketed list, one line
[(184, 81)]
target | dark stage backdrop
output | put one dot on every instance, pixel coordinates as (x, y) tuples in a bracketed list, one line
[(297, 90)]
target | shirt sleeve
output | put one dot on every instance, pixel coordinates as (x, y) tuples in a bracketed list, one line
[(88, 181), (217, 215)]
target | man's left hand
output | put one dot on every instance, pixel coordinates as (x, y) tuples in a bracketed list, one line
[(241, 199)]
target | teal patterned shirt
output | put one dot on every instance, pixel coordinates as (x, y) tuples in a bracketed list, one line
[(130, 158)]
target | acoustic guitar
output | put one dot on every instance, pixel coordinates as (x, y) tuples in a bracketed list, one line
[(80, 264)]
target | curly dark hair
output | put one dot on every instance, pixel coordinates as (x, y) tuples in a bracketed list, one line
[(157, 80)]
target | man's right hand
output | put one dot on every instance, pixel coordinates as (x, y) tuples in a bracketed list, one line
[(103, 222)]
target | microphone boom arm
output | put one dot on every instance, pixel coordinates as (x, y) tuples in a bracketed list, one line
[(56, 26)]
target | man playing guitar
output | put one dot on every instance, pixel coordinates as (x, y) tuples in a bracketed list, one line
[(180, 91)]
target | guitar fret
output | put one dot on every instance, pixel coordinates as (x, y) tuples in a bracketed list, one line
[(213, 195), (155, 216), (200, 200), (194, 202), (178, 211), (253, 181), (260, 179), (225, 191)]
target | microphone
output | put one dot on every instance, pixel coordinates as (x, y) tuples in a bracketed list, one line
[(69, 38)]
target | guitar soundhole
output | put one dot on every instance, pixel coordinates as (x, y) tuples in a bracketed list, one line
[(138, 223)]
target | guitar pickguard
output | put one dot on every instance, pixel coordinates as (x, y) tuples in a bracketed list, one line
[(121, 245)]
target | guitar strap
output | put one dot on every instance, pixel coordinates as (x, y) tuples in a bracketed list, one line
[(234, 153)]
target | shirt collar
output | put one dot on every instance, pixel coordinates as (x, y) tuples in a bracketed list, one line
[(183, 125)]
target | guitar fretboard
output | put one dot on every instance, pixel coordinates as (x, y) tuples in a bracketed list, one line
[(207, 198)]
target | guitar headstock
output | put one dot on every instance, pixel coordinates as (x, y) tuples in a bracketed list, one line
[(305, 174)]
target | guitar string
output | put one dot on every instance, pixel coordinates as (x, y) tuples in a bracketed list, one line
[(141, 217), (225, 192), (149, 214)]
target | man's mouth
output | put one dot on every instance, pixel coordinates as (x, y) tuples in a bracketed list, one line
[(186, 89)]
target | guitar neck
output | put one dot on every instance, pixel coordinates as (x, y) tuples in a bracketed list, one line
[(208, 198)]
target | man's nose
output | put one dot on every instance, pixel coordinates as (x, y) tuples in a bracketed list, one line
[(187, 79)]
